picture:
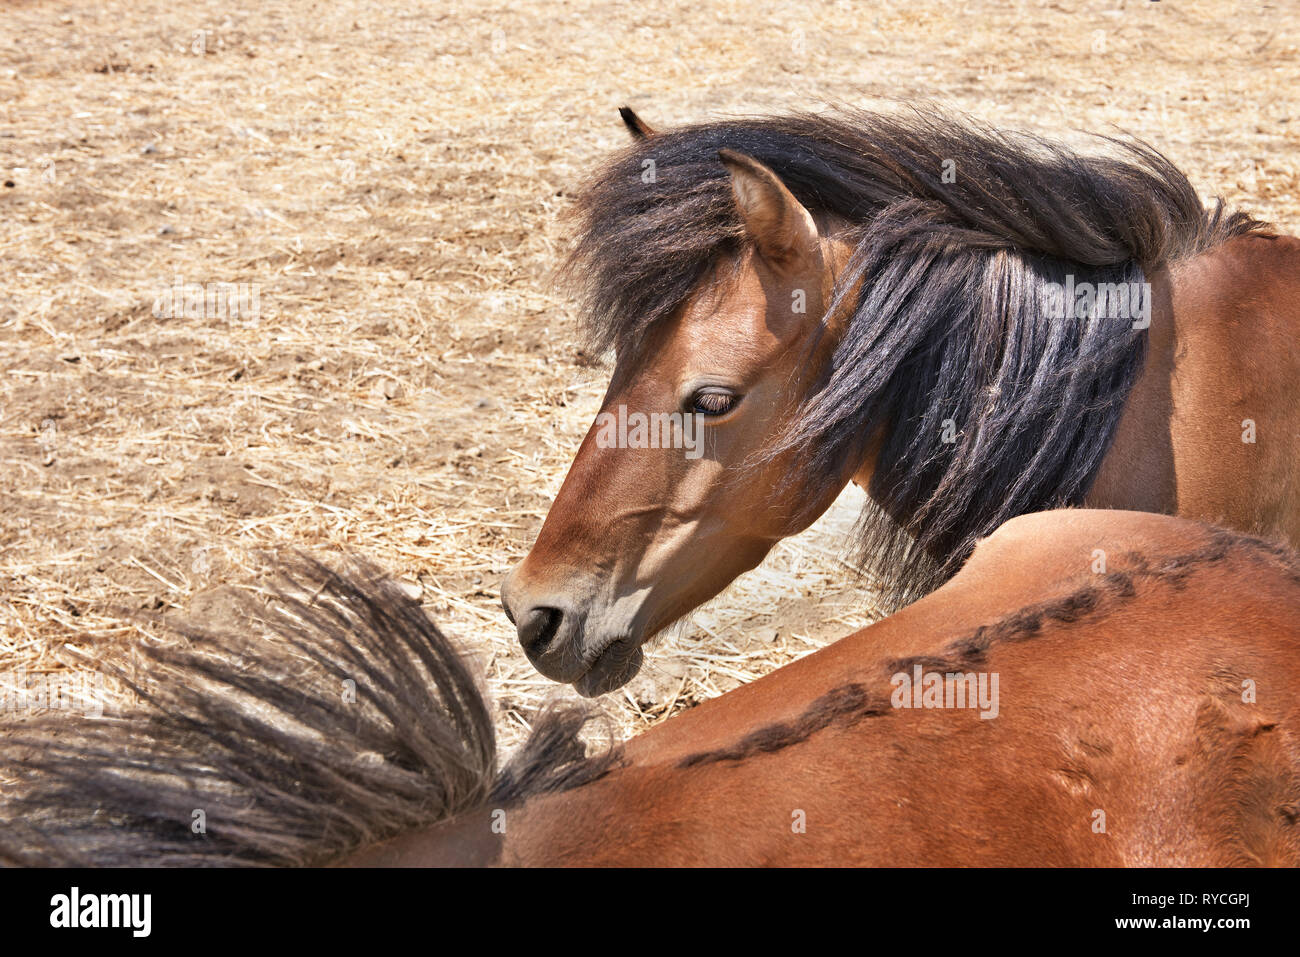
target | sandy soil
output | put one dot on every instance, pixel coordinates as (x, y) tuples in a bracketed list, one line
[(391, 178)]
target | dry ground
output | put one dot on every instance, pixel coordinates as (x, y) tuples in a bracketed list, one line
[(391, 177)]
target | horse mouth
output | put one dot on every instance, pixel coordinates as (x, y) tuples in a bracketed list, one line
[(612, 668)]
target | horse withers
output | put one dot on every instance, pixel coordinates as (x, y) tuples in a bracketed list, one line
[(1093, 688), (971, 324)]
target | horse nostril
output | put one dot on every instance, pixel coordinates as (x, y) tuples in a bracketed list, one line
[(538, 630)]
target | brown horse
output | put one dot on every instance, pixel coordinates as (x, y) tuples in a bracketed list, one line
[(970, 324), (1092, 688)]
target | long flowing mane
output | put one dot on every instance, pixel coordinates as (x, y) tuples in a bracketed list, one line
[(350, 720), (959, 232)]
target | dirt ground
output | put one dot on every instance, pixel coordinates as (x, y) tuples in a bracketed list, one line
[(390, 178)]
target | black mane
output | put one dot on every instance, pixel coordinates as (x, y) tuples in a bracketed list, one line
[(289, 763), (943, 295)]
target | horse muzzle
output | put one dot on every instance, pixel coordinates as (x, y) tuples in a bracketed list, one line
[(559, 639)]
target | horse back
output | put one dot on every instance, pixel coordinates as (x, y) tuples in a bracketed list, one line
[(1148, 710)]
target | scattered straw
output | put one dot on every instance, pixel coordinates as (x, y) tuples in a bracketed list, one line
[(391, 179)]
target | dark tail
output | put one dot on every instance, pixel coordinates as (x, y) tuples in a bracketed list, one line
[(352, 719)]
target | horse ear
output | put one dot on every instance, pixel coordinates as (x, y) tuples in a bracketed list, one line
[(780, 226), (638, 127)]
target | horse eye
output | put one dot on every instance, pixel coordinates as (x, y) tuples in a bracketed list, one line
[(713, 402)]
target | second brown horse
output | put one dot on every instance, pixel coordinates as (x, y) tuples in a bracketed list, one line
[(1095, 688)]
